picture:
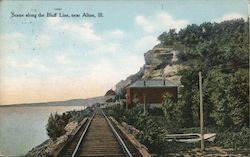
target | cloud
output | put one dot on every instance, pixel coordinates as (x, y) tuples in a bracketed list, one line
[(146, 25), (146, 43), (160, 22), (60, 73), (135, 61), (104, 48), (62, 59), (230, 16), (53, 21), (10, 36), (42, 40), (12, 42), (7, 62), (101, 77), (115, 34), (85, 30), (34, 63)]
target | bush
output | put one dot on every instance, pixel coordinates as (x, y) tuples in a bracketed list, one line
[(153, 134), (236, 140), (55, 126), (228, 138), (56, 122), (172, 114), (155, 127)]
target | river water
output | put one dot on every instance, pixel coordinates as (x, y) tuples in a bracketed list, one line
[(22, 128)]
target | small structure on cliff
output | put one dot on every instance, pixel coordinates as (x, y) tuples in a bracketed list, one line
[(110, 93), (151, 92)]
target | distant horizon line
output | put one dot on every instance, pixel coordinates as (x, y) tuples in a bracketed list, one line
[(46, 102)]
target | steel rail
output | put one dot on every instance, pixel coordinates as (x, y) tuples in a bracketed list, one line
[(123, 145), (83, 134)]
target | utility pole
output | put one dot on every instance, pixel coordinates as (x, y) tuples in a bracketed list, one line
[(126, 101), (249, 58), (201, 113)]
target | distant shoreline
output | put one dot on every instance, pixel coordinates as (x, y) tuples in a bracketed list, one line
[(52, 103), (36, 105), (72, 102)]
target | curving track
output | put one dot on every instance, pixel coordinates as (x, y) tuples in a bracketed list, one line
[(98, 138)]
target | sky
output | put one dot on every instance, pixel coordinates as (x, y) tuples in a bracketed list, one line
[(60, 58)]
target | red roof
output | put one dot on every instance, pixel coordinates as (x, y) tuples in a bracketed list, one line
[(110, 93)]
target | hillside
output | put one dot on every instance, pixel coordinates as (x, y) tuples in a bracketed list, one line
[(220, 51), (161, 62)]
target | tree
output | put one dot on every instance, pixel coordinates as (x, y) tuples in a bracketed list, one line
[(55, 126), (168, 38), (220, 51), (172, 114), (227, 96)]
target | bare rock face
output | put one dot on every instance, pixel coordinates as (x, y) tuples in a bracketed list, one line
[(171, 73), (160, 63), (121, 86), (71, 127), (158, 57)]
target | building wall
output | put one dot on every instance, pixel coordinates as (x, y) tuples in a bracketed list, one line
[(153, 95)]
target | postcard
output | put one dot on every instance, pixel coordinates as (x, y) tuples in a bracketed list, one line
[(124, 78)]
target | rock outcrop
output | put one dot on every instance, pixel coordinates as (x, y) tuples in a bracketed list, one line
[(121, 86), (160, 63), (159, 56)]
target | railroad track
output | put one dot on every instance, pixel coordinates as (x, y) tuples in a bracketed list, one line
[(99, 138)]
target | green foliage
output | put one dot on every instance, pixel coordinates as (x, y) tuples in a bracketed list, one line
[(215, 43), (168, 38), (152, 135), (172, 114), (117, 111), (189, 103), (220, 51), (55, 126), (155, 111), (132, 115), (79, 115), (56, 123), (238, 139), (222, 91)]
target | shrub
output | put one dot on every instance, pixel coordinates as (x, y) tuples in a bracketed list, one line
[(55, 126), (56, 122), (236, 140), (228, 138), (152, 135), (172, 114)]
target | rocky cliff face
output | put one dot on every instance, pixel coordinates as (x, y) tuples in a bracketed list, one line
[(121, 86), (160, 63), (158, 57)]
